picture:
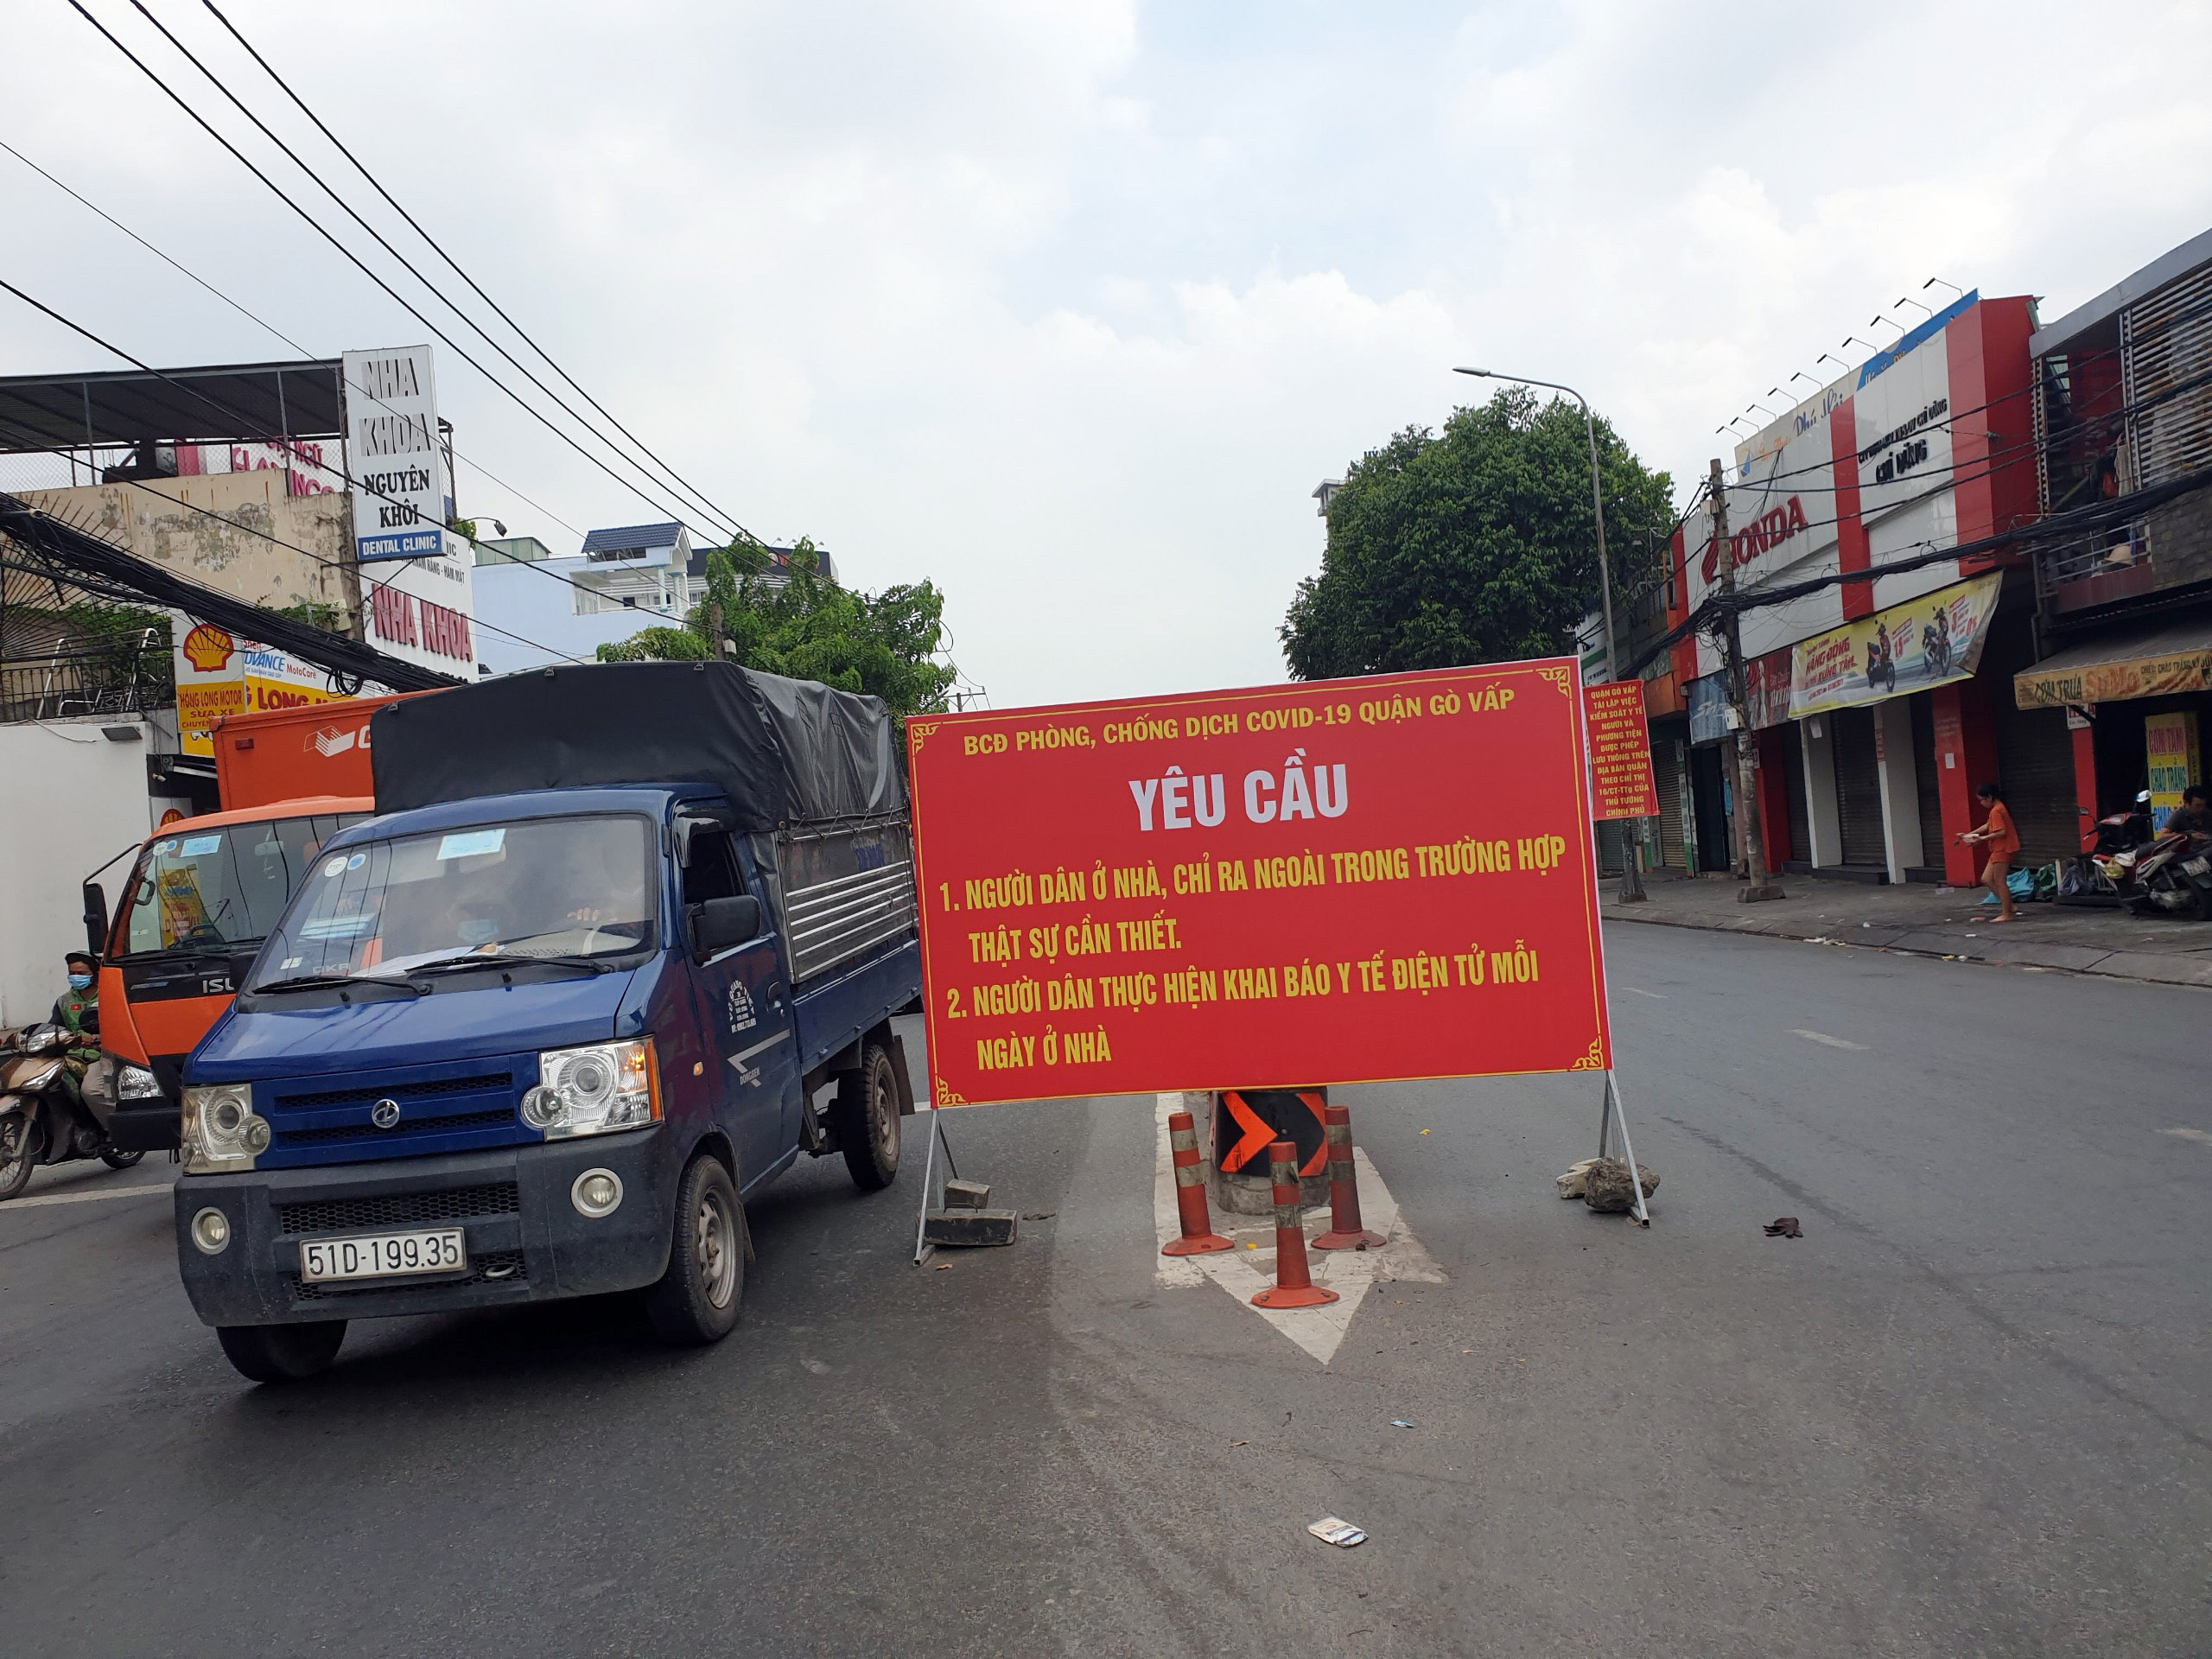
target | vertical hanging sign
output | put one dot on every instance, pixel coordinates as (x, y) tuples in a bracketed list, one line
[(393, 453), (1621, 785)]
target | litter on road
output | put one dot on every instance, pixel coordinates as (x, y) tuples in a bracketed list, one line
[(1400, 1423), (1331, 1530), (1784, 1227)]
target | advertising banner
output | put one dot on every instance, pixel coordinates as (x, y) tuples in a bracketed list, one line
[(393, 451), (1620, 751), (218, 674), (1342, 881), (2169, 743), (1927, 641), (2155, 673)]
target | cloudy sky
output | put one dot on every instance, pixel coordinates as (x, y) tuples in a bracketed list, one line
[(1067, 306)]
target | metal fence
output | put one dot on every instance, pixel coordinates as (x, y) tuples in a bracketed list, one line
[(127, 675)]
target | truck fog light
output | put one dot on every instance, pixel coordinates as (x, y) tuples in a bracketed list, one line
[(211, 1231), (542, 1108), (596, 1192)]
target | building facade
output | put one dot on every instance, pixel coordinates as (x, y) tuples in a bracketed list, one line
[(1880, 704), (2123, 412)]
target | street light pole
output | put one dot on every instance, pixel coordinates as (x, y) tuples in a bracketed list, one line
[(1631, 871)]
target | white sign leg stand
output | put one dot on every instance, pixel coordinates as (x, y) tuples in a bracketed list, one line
[(1614, 1114), (936, 1166)]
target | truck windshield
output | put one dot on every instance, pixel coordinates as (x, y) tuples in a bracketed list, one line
[(222, 885), (531, 887)]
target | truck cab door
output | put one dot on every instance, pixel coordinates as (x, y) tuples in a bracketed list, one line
[(748, 1008)]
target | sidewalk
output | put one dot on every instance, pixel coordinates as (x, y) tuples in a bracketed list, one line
[(1934, 921)]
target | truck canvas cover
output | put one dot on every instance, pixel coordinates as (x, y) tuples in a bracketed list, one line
[(784, 751)]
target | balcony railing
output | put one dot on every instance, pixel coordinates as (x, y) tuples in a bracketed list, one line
[(2097, 569), (128, 676)]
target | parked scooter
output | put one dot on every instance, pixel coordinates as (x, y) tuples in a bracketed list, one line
[(2173, 877), (2102, 873), (42, 1120)]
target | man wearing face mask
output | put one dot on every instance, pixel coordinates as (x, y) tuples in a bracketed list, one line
[(77, 1011)]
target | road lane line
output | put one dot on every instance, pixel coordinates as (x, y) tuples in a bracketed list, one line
[(82, 1197), (1822, 1037), (1639, 991), (2201, 1135)]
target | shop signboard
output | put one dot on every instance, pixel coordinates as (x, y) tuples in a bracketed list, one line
[(219, 674), (2170, 744), (2155, 673), (1332, 882), (401, 493), (1931, 640), (1621, 785)]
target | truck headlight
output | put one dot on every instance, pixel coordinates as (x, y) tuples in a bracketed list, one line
[(220, 1131), (111, 1078), (594, 1089)]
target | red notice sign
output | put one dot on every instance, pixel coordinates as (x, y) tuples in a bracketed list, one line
[(1342, 881), (1620, 752)]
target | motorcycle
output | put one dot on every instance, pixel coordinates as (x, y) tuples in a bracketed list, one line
[(1881, 664), (2100, 875), (2172, 876), (1936, 649), (43, 1121)]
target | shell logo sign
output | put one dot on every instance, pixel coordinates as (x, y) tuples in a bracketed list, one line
[(208, 648)]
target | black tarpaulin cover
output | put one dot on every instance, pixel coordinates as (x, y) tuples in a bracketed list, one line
[(785, 751)]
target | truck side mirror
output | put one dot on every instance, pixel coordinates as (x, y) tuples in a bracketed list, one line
[(95, 919), (717, 924)]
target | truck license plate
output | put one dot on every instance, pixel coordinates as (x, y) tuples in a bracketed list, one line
[(382, 1256)]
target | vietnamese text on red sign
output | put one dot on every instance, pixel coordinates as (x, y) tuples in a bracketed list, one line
[(1327, 883)]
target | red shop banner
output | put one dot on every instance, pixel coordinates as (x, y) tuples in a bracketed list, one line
[(1342, 881), (1620, 751)]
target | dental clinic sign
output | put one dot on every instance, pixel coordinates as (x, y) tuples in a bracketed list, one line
[(401, 493)]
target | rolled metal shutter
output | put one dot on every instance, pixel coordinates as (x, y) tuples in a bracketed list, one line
[(1858, 787), (1667, 774), (1793, 792), (1927, 780), (2034, 764)]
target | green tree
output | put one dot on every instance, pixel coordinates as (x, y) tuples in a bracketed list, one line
[(1474, 545), (808, 628)]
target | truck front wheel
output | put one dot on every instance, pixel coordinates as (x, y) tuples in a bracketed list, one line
[(282, 1353), (867, 1119), (696, 1301)]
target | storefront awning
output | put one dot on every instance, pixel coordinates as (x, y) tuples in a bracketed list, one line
[(2149, 662)]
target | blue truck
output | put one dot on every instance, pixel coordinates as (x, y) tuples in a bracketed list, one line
[(625, 941)]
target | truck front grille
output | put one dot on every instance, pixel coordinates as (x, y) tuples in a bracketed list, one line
[(343, 1132), (401, 1209)]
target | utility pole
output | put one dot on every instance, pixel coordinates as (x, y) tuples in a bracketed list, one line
[(1731, 668)]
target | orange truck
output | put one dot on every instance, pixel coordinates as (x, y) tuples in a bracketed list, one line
[(203, 894)]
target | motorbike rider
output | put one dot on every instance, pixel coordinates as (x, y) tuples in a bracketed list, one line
[(77, 1011), (2191, 817)]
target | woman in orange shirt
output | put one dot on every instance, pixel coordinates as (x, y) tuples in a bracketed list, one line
[(2003, 844)]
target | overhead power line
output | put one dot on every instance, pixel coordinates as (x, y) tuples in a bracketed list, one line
[(322, 231), (439, 249), (700, 504), (78, 550), (262, 322)]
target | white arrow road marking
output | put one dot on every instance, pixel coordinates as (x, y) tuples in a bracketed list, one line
[(140, 1190), (1244, 1273), (1821, 1037)]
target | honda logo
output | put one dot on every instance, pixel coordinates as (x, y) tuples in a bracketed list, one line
[(385, 1114)]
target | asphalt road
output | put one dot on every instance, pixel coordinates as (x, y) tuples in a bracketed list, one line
[(1969, 1412)]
